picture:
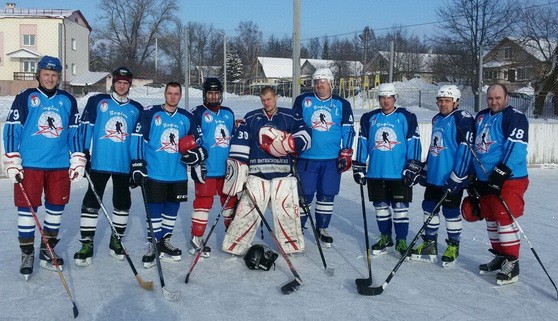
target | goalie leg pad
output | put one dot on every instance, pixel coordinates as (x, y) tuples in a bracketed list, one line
[(286, 214), (237, 174), (246, 220)]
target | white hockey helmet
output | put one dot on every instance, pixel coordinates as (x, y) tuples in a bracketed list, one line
[(449, 91), (323, 73), (386, 90)]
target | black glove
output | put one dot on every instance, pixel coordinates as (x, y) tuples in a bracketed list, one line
[(88, 158), (359, 173), (423, 175), (411, 173), (139, 171), (497, 178), (194, 156), (199, 172)]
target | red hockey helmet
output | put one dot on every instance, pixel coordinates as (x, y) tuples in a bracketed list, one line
[(470, 209)]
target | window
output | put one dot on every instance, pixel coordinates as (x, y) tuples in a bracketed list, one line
[(508, 53), (74, 44), (29, 66), (382, 64), (74, 69), (28, 40), (521, 73)]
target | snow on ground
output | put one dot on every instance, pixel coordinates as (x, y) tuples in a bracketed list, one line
[(223, 288)]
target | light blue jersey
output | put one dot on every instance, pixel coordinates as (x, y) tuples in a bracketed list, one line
[(388, 141), (44, 130), (106, 126), (216, 131), (331, 121)]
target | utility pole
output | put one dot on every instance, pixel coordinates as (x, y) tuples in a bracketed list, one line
[(224, 64), (186, 69), (296, 48), (391, 60)]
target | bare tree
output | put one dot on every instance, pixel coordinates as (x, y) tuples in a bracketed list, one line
[(475, 25), (313, 48), (172, 45), (278, 47), (248, 43)]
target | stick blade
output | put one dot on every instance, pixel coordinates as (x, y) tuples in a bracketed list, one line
[(363, 282), (371, 291), (171, 296), (291, 287), (329, 271), (187, 278), (75, 310), (146, 285)]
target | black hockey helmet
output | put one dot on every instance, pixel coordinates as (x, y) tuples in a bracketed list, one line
[(261, 257), (212, 84)]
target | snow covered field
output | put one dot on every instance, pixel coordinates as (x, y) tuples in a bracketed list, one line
[(223, 288)]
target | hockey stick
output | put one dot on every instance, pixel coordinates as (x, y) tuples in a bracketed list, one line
[(146, 285), (328, 270), (477, 159), (198, 254), (297, 282), (171, 296), (364, 290), (368, 281), (48, 247)]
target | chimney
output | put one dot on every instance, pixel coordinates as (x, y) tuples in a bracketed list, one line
[(10, 5)]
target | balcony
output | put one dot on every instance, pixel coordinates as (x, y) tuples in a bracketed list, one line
[(24, 76)]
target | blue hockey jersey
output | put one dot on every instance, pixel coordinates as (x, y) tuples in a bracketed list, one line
[(44, 130), (245, 147), (331, 121), (216, 131), (501, 138), (388, 141), (105, 129), (449, 150), (155, 139)]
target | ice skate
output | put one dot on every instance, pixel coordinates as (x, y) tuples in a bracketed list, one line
[(149, 258), (195, 245), (325, 238), (425, 252), (401, 247), (167, 251), (115, 248), (450, 255), (494, 265), (27, 259), (383, 246), (44, 256), (84, 257), (509, 272)]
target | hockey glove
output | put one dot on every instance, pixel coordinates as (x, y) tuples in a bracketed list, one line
[(12, 164), (78, 162), (88, 157), (455, 184), (359, 173), (470, 209), (237, 174), (194, 156), (276, 142), (139, 171), (411, 173), (497, 178), (344, 160), (423, 175), (199, 172)]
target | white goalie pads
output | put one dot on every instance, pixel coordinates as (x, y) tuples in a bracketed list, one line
[(275, 142), (237, 173), (282, 196)]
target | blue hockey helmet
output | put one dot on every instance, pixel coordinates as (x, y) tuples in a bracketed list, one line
[(49, 63)]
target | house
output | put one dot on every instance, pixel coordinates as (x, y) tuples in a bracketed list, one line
[(28, 34), (202, 72), (91, 81), (516, 62)]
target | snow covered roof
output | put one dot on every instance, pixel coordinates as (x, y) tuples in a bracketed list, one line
[(494, 64), (277, 67), (535, 48), (354, 67), (88, 78), (23, 12)]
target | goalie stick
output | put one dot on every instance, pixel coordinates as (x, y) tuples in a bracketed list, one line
[(47, 245), (146, 285), (297, 282), (375, 290)]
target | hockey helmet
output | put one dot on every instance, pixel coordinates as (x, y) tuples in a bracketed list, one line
[(49, 63), (470, 209), (212, 84), (324, 73), (260, 256), (449, 91), (122, 73), (386, 90)]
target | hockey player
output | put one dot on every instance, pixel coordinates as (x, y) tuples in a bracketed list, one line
[(106, 124), (501, 145), (447, 167), (156, 151), (320, 167), (216, 123), (39, 135), (260, 163), (389, 141)]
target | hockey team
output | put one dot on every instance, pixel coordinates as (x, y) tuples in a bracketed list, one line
[(274, 157)]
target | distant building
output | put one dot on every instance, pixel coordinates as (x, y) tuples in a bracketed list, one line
[(28, 34), (406, 65)]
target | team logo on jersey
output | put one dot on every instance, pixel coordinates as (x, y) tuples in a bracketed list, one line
[(104, 106), (321, 120), (437, 143), (307, 102), (50, 125), (385, 139), (479, 120), (158, 120), (483, 142), (169, 140), (222, 136), (207, 117), (116, 129), (35, 101)]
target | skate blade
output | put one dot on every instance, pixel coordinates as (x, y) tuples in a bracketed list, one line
[(448, 264), (26, 277), (169, 258), (382, 251), (481, 272), (506, 282), (45, 265), (326, 245), (148, 265), (194, 252), (84, 262), (119, 257), (423, 258)]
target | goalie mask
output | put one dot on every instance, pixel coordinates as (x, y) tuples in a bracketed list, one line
[(260, 257)]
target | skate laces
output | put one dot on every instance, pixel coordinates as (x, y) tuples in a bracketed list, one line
[(150, 249), (115, 243), (508, 266), (451, 251), (168, 245), (197, 242), (86, 247), (27, 259), (384, 240), (401, 246), (324, 232)]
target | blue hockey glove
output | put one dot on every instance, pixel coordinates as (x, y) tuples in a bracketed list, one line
[(455, 184)]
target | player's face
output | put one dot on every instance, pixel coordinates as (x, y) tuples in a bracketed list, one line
[(496, 98), (322, 88), (269, 102), (213, 97), (387, 103), (445, 105), (172, 96), (122, 87), (48, 79)]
